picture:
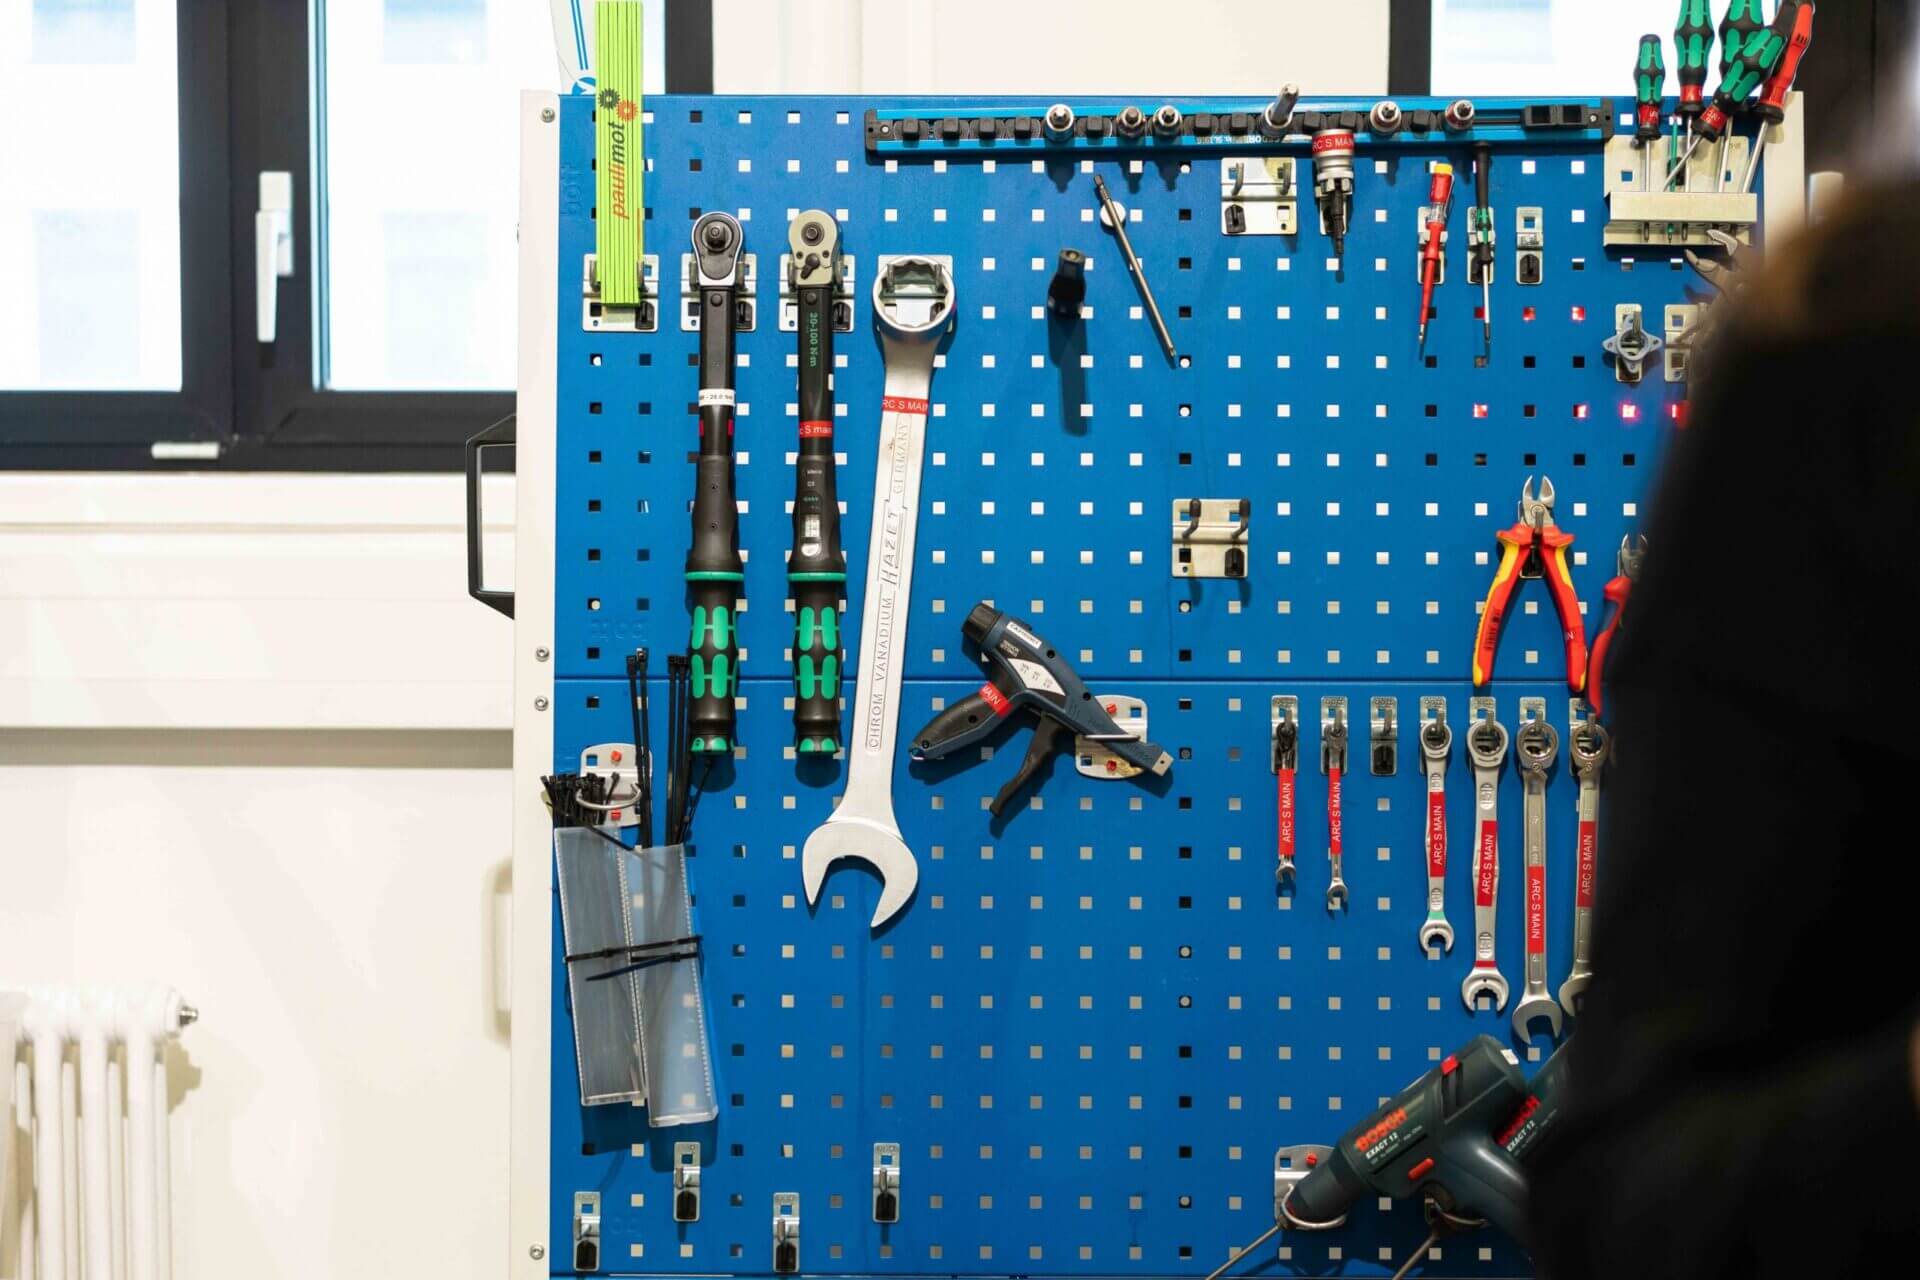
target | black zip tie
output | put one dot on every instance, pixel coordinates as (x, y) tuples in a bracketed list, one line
[(692, 940)]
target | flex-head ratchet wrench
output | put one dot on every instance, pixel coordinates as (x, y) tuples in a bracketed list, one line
[(1536, 747), (1436, 745), (913, 306), (1587, 750), (1333, 756), (1487, 749)]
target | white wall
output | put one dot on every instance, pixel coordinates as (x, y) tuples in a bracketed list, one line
[(1053, 47)]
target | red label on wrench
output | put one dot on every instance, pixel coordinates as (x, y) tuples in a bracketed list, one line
[(1486, 864), (1333, 812), (903, 404), (1536, 911), (1436, 833), (1286, 813), (1589, 840)]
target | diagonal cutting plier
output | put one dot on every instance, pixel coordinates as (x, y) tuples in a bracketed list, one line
[(1633, 554), (1533, 548)]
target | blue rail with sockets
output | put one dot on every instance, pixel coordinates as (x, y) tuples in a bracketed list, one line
[(1097, 1020)]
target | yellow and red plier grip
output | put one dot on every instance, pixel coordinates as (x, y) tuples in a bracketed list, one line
[(1632, 553), (1533, 548)]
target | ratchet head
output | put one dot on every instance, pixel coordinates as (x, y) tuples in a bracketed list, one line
[(1573, 994), (1436, 932), (1537, 747), (1436, 741), (1487, 744), (1633, 555), (1488, 982), (877, 843), (1589, 748), (716, 250), (813, 239), (1536, 1005)]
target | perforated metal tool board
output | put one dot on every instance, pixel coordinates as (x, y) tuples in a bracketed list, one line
[(1095, 1023)]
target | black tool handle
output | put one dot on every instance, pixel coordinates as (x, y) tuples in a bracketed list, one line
[(498, 436), (715, 572), (817, 567), (966, 721), (1039, 755)]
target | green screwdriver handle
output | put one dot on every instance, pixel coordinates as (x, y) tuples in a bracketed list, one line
[(1649, 87), (1738, 29), (1750, 69), (1692, 42)]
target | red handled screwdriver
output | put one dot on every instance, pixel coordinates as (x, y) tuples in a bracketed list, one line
[(1433, 239), (1750, 68), (1772, 106)]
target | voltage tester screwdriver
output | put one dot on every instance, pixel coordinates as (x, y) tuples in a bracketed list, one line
[(1772, 106), (715, 574), (1742, 25), (1433, 238), (1480, 234), (1749, 68), (817, 567)]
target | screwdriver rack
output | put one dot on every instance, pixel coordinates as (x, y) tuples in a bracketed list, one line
[(1097, 1021)]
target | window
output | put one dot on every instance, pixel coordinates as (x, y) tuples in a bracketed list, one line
[(1556, 47), (130, 332)]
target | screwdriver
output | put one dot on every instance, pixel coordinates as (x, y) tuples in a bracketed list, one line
[(1481, 233), (1439, 203), (1772, 106), (1749, 68), (1650, 92), (1692, 42), (1742, 25)]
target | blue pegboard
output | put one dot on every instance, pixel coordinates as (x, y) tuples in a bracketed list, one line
[(1097, 1020)]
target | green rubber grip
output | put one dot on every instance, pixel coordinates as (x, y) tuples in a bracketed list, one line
[(819, 661), (714, 653), (1650, 72), (1757, 58), (1692, 43), (1742, 23)]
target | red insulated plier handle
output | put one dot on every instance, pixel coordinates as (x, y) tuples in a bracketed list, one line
[(1547, 547), (1618, 592)]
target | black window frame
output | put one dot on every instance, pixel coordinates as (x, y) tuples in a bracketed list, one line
[(259, 403)]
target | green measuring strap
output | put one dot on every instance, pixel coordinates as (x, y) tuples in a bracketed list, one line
[(620, 163)]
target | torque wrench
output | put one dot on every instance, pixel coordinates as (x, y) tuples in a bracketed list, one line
[(1536, 747), (1436, 745), (1487, 749), (715, 574), (1587, 753), (817, 567), (913, 306)]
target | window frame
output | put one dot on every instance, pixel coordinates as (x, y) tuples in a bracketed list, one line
[(257, 403)]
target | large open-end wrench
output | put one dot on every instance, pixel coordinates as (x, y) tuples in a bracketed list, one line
[(1587, 751), (1436, 745), (913, 306), (1487, 749), (1535, 748)]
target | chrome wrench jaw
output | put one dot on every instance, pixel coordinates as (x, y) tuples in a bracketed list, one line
[(1337, 890), (1588, 748), (1536, 747), (1487, 750), (1436, 746), (913, 305)]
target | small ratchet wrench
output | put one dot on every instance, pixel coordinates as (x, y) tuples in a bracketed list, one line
[(1587, 753), (1487, 749), (1333, 750), (1535, 749), (1436, 745)]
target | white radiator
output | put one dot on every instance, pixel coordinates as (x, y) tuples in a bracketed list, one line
[(86, 1194)]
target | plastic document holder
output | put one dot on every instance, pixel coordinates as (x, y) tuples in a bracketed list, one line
[(11, 1008), (633, 977)]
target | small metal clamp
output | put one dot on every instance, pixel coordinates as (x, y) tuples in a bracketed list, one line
[(1383, 715), (886, 1182), (686, 1182), (1285, 721), (1530, 244), (600, 317), (1210, 537), (1631, 346), (586, 1231), (1096, 759), (1259, 196), (1333, 733), (786, 1232)]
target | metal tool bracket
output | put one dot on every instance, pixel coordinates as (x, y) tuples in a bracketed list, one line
[(1210, 537)]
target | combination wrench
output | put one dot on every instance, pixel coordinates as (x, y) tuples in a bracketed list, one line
[(1436, 746), (1333, 759), (1587, 751), (1487, 749), (1536, 747), (913, 306)]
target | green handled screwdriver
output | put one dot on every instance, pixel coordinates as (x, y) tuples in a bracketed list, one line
[(1650, 93), (1692, 42), (1742, 25), (1749, 68), (715, 572)]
